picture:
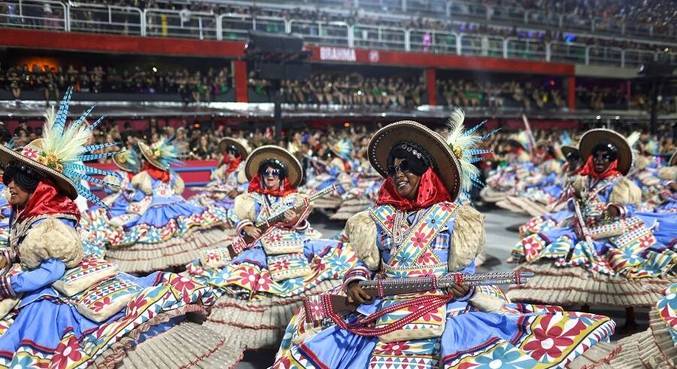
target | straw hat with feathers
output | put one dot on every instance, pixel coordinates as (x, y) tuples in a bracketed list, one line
[(127, 160), (61, 152), (239, 144), (453, 156), (161, 154)]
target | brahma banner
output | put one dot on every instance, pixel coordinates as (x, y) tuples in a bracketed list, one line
[(338, 54)]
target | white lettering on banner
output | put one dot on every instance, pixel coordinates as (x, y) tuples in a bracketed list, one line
[(338, 54), (374, 56)]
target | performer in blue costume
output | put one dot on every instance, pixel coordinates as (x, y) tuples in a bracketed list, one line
[(99, 223), (170, 231), (58, 308), (228, 179), (274, 265), (602, 254), (417, 229)]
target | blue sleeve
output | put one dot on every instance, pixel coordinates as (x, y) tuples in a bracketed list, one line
[(138, 195), (47, 273)]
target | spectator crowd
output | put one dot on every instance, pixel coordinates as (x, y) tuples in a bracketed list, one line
[(192, 85)]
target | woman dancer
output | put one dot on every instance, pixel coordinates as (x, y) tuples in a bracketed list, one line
[(417, 229)]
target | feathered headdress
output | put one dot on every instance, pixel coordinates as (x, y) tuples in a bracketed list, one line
[(61, 152), (161, 154), (343, 148), (127, 160), (465, 146)]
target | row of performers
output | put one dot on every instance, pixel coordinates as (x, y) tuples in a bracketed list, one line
[(253, 261)]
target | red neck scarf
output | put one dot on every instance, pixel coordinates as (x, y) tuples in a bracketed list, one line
[(232, 165), (255, 185), (47, 200), (588, 169), (431, 191), (130, 175), (156, 173)]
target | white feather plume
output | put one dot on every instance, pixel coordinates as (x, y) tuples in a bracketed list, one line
[(464, 144)]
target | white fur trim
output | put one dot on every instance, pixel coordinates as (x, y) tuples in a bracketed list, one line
[(51, 239), (625, 192), (468, 237), (360, 231), (244, 207), (143, 182)]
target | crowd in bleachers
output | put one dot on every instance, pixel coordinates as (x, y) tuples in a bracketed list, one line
[(658, 15), (192, 85), (199, 140)]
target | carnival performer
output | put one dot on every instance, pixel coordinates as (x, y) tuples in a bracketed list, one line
[(59, 309), (337, 172), (516, 166), (276, 262), (417, 229), (99, 223), (171, 231), (559, 210), (228, 179), (602, 254)]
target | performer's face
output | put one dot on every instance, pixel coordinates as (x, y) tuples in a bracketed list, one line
[(17, 196), (406, 182), (601, 160), (574, 161), (271, 178)]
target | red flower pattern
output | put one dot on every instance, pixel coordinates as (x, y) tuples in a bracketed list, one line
[(134, 307), (646, 241), (100, 304), (418, 239), (551, 340), (65, 353), (264, 282), (183, 283), (395, 348), (248, 277)]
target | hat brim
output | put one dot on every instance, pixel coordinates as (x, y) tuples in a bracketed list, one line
[(263, 153), (673, 159), (445, 163), (146, 151), (123, 166), (599, 135), (62, 183), (223, 144), (566, 149)]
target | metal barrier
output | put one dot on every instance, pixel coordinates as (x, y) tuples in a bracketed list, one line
[(105, 19), (523, 49), (635, 58), (378, 37), (568, 52), (180, 23), (50, 15), (435, 41), (609, 56), (80, 17), (237, 26)]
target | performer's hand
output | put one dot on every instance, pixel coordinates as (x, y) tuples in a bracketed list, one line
[(252, 231), (3, 262), (232, 194), (291, 217), (612, 211), (459, 290), (356, 294)]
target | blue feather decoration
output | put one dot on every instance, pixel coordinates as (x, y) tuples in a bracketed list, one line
[(62, 114), (90, 148)]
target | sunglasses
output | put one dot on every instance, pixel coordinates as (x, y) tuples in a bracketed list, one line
[(402, 167), (271, 172), (603, 155), (572, 156)]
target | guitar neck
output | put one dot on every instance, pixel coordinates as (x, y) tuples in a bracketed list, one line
[(396, 286), (278, 215)]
